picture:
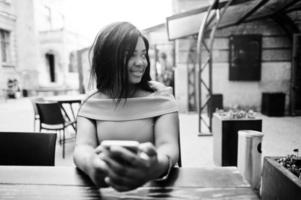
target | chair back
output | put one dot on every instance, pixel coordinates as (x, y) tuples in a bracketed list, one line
[(50, 113), (27, 148), (34, 106)]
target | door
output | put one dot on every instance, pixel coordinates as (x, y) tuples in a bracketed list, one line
[(295, 90), (51, 64)]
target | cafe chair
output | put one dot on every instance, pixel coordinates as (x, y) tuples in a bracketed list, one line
[(35, 111), (27, 148), (51, 118), (180, 157)]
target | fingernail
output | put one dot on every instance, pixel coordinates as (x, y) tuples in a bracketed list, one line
[(144, 156), (101, 156), (107, 180)]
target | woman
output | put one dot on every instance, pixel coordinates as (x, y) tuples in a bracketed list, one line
[(126, 106)]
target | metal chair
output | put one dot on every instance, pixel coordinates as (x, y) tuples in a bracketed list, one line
[(27, 148), (180, 156), (51, 118), (35, 111)]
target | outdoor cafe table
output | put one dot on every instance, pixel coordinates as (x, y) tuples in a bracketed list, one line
[(69, 101), (24, 182)]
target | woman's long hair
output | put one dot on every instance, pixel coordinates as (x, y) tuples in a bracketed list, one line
[(111, 51)]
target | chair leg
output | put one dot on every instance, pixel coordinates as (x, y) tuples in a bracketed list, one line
[(34, 125), (39, 126), (63, 143), (60, 136)]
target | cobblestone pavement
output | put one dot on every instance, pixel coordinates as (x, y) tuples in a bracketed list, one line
[(281, 134)]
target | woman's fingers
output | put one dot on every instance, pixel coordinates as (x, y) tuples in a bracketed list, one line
[(124, 176), (100, 170), (127, 157), (127, 169), (130, 180), (148, 148), (118, 187), (117, 172), (121, 177), (99, 149)]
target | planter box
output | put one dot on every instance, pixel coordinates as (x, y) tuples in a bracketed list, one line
[(225, 137), (278, 182)]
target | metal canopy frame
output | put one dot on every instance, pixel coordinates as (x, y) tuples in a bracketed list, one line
[(216, 17), (211, 23), (213, 18)]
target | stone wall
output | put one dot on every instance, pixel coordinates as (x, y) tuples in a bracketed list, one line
[(8, 23)]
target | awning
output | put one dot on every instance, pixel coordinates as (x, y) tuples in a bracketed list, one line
[(240, 11)]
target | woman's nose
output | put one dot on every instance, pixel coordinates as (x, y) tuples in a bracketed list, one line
[(139, 61)]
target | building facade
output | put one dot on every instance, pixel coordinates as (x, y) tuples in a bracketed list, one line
[(19, 44), (58, 46), (37, 49)]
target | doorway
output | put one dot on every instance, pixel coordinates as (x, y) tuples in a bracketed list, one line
[(50, 60), (295, 90)]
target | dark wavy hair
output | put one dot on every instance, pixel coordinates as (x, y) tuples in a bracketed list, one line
[(111, 51)]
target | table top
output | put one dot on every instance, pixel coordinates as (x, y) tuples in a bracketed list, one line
[(19, 182), (66, 98)]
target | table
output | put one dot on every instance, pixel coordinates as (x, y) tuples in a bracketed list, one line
[(19, 182), (52, 90), (67, 100), (225, 137)]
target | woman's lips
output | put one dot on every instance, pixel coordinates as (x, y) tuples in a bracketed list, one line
[(137, 73)]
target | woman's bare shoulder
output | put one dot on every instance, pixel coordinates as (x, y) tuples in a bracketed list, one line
[(142, 93), (95, 94)]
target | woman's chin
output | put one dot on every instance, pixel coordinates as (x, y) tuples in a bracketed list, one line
[(135, 80)]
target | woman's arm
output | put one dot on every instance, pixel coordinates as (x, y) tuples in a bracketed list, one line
[(167, 138), (85, 156)]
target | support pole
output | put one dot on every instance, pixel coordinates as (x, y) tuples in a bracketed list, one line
[(207, 31)]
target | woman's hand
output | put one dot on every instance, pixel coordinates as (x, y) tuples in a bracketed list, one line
[(128, 170), (98, 168)]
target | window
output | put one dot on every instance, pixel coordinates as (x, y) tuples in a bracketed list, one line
[(245, 58), (295, 88), (5, 45), (72, 62), (50, 59)]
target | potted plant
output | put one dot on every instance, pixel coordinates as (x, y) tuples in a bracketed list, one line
[(281, 178)]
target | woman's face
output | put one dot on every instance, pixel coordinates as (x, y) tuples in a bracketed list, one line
[(137, 63)]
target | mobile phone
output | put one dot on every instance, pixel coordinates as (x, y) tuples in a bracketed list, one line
[(128, 144)]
